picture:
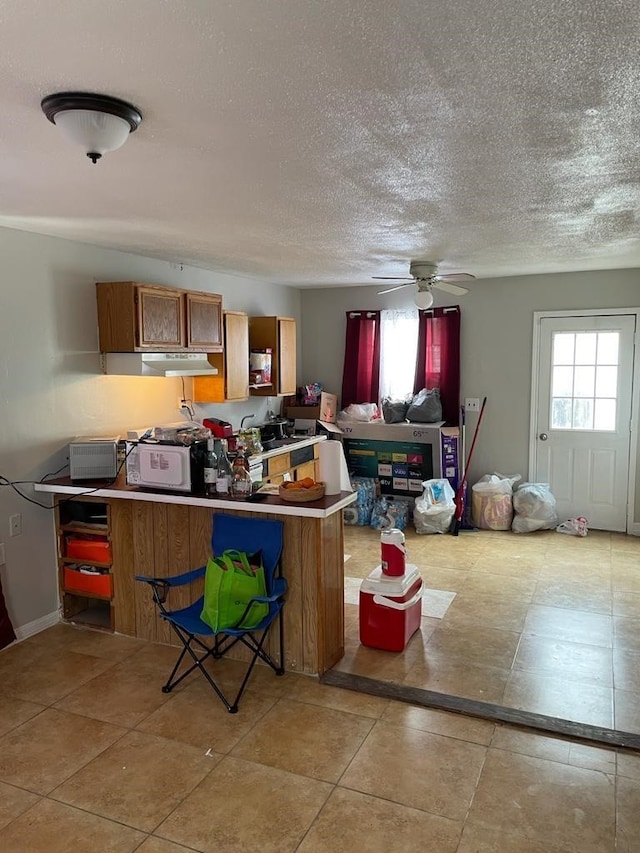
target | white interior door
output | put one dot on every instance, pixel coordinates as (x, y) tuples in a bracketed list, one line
[(583, 415)]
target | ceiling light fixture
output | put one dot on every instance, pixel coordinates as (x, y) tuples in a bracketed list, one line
[(98, 123), (424, 299)]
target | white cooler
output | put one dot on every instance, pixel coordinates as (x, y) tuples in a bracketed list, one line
[(390, 608)]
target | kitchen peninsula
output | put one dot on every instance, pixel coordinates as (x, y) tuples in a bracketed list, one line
[(154, 533)]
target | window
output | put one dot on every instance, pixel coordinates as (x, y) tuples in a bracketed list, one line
[(398, 349), (584, 383)]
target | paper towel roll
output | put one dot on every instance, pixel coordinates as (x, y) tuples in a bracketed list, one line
[(333, 467)]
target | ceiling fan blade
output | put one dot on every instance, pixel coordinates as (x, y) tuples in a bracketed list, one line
[(455, 276), (397, 287), (393, 277), (451, 288)]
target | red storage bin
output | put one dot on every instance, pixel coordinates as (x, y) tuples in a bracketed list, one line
[(97, 549), (390, 609), (90, 583)]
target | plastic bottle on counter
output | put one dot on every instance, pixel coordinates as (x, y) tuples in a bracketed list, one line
[(210, 469), (223, 482), (241, 478)]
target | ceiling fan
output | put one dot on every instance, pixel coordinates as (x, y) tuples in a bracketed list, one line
[(424, 274)]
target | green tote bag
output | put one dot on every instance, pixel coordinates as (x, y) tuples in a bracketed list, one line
[(231, 581)]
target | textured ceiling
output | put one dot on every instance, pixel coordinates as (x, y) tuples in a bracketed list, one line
[(318, 142)]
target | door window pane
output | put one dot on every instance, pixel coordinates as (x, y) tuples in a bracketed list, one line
[(585, 380), (606, 381), (608, 343), (563, 348), (561, 409), (562, 385), (582, 414), (605, 415), (586, 348)]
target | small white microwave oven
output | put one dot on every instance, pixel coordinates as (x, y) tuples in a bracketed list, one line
[(175, 467)]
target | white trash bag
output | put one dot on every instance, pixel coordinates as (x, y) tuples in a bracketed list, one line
[(534, 508), (492, 501), (435, 507)]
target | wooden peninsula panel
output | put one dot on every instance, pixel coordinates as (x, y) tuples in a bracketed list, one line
[(159, 535), (167, 539)]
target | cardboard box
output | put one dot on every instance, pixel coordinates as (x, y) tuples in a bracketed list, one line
[(327, 410), (450, 439), (402, 456)]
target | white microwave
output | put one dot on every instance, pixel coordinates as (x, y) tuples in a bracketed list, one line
[(175, 467)]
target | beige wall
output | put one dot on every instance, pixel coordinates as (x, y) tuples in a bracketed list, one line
[(496, 333), (51, 388)]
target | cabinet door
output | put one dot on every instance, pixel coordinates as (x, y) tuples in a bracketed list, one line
[(236, 356), (204, 322), (287, 356), (232, 381), (160, 318)]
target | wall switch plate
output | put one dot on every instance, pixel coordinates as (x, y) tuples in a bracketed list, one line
[(472, 404), (15, 524), (2, 559)]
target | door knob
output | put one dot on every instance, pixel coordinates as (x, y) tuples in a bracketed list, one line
[(543, 436)]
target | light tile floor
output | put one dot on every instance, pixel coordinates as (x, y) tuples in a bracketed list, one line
[(95, 758), (542, 622)]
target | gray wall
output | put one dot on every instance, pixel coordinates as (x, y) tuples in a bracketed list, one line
[(51, 388), (496, 343)]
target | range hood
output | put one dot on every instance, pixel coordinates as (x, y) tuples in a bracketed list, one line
[(157, 364)]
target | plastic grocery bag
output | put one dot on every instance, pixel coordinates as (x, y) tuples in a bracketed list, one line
[(394, 411), (492, 501), (434, 508), (360, 412), (425, 407), (534, 508), (574, 526)]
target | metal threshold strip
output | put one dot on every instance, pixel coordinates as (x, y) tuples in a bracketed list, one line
[(482, 710)]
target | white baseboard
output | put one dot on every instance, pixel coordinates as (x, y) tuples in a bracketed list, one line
[(634, 529), (37, 625)]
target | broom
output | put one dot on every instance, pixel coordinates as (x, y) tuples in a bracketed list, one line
[(459, 499)]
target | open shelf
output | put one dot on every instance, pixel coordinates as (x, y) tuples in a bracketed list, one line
[(83, 610)]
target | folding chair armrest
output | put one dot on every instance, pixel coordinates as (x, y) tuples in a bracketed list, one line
[(175, 580), (279, 589)]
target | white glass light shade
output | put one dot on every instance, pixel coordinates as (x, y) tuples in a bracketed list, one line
[(424, 299), (95, 132)]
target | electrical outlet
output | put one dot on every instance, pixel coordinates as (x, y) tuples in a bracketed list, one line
[(2, 559), (472, 404), (15, 524)]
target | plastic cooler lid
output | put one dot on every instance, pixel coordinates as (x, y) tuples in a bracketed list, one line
[(379, 584)]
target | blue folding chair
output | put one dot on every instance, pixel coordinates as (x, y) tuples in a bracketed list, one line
[(242, 534)]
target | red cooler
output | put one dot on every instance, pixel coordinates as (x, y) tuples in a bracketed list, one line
[(390, 609)]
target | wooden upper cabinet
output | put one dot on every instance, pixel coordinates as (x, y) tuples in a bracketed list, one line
[(160, 318), (204, 321), (137, 317), (279, 334), (232, 381)]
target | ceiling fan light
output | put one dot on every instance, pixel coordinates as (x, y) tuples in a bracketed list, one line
[(97, 123), (424, 299)]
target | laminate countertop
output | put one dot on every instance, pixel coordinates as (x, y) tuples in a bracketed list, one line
[(270, 505)]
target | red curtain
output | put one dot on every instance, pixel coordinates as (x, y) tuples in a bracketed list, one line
[(438, 362), (7, 634), (361, 375)]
